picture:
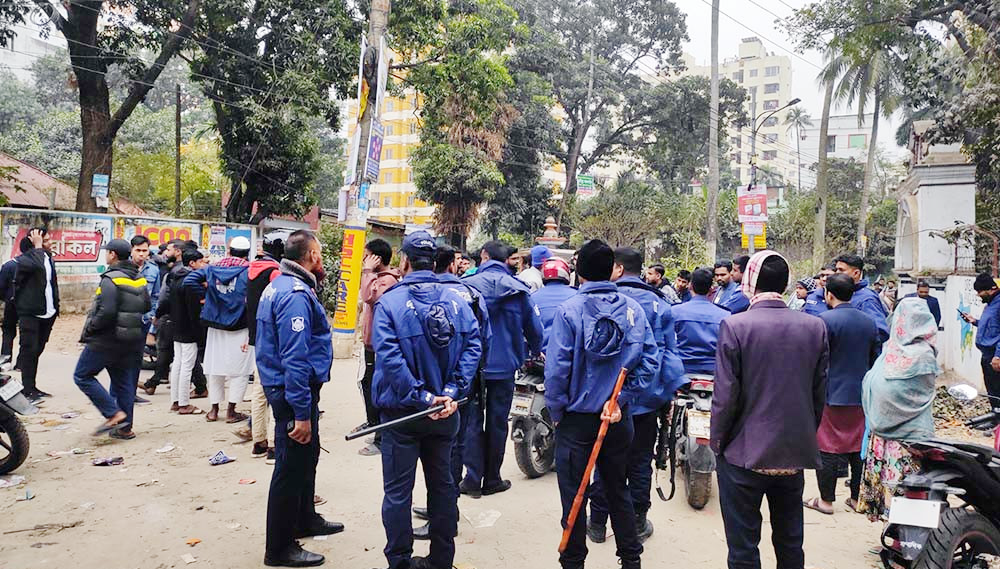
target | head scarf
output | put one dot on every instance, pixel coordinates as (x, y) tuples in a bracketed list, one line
[(912, 346), (751, 275)]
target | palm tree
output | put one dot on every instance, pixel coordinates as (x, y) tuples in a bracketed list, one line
[(822, 179), (798, 118)]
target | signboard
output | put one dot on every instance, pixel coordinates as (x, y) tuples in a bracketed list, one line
[(99, 185), (352, 158), (374, 154), (363, 201), (346, 316), (75, 239), (759, 232), (383, 75), (363, 87), (217, 241), (584, 185), (158, 233), (751, 204)]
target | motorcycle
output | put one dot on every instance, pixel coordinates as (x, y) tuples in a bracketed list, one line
[(685, 430), (926, 529), (532, 430), (13, 438)]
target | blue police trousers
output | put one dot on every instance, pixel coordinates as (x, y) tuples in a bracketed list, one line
[(639, 473), (430, 442), (486, 437), (575, 437)]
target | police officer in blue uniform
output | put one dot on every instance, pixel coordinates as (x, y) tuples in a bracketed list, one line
[(427, 349), (554, 292), (517, 333), (697, 325), (816, 300), (594, 335), (294, 354), (668, 378)]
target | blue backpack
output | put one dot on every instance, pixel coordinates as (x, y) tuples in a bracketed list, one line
[(436, 318)]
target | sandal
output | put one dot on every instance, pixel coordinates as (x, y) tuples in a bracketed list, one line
[(125, 436), (190, 410), (852, 505), (814, 505), (107, 428), (237, 418)]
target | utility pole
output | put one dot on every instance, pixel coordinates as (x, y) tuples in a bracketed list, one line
[(349, 284), (753, 156), (177, 153), (712, 232)]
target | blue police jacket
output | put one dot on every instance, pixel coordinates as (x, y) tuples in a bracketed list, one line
[(685, 296), (854, 347), (866, 300), (225, 296), (988, 333), (293, 344), (932, 304), (548, 299), (410, 371), (816, 302), (584, 355), (513, 319), (659, 315), (451, 281), (736, 302), (697, 326), (723, 293)]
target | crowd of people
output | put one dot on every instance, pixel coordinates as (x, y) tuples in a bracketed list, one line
[(853, 377)]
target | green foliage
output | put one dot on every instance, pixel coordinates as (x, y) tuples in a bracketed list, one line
[(625, 214), (17, 102), (456, 179), (52, 143), (331, 236)]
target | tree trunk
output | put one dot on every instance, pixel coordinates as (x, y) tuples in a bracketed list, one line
[(572, 163), (869, 174), (712, 231), (819, 232), (798, 153)]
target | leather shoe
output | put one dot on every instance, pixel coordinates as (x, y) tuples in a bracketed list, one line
[(320, 527), (421, 513), (422, 532), (420, 563), (597, 534), (294, 556), (501, 486), (470, 490)]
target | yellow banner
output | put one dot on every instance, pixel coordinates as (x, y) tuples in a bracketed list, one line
[(345, 319)]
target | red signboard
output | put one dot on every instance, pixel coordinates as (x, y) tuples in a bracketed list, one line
[(72, 246), (751, 204)]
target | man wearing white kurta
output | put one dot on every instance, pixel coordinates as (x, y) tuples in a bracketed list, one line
[(228, 359)]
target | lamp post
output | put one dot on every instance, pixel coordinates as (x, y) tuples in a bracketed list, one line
[(758, 122)]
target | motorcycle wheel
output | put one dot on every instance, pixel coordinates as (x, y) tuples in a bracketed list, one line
[(535, 455), (697, 486), (13, 442), (964, 540)]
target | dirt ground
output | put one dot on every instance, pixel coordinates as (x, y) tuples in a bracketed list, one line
[(142, 513)]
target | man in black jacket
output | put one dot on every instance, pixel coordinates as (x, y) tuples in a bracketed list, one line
[(7, 273), (36, 296), (113, 336), (183, 307)]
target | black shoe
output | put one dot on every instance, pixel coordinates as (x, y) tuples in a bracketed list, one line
[(501, 486), (294, 556), (470, 490), (421, 513), (422, 532), (597, 534), (41, 393), (633, 564), (32, 396), (320, 527), (420, 563), (141, 400), (259, 450), (643, 527)]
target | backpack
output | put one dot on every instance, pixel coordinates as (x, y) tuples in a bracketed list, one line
[(602, 335), (436, 319)]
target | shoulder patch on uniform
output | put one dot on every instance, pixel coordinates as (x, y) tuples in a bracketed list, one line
[(298, 285), (269, 291), (631, 316), (298, 324)]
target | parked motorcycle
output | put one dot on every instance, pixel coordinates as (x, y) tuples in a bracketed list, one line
[(685, 430), (13, 438), (532, 430), (928, 531)]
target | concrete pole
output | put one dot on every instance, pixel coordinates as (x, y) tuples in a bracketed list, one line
[(753, 155), (712, 232), (177, 153)]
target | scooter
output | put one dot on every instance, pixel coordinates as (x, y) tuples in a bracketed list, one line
[(532, 430), (926, 529), (13, 438), (685, 430)]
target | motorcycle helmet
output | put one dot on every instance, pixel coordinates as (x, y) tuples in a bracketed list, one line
[(555, 269), (274, 243)]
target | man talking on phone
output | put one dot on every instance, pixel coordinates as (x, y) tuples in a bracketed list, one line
[(294, 355), (988, 333)]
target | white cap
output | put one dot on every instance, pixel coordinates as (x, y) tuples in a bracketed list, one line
[(241, 243)]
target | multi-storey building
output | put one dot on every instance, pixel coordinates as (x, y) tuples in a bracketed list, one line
[(28, 45), (845, 139)]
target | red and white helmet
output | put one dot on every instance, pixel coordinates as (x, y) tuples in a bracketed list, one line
[(554, 269)]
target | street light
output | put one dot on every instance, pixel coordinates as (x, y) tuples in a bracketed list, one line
[(758, 122)]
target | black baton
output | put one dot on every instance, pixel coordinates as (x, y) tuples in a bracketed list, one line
[(401, 421)]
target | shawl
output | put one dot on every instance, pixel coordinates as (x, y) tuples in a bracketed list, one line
[(751, 275)]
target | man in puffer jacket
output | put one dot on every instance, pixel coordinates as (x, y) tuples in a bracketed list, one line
[(227, 357), (113, 336)]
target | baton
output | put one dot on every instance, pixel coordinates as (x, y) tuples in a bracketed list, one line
[(574, 511), (401, 421)]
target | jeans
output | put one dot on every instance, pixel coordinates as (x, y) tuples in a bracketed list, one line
[(35, 333), (9, 328), (992, 380), (431, 443), (371, 413), (740, 494), (575, 437), (639, 472), (833, 466), (290, 506), (486, 439), (123, 368)]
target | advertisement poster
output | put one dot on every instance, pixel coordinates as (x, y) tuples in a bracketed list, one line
[(374, 154), (584, 185), (157, 232), (217, 241), (346, 317), (759, 232), (76, 239), (751, 204)]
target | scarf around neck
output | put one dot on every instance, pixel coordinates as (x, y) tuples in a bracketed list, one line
[(751, 275), (296, 270)]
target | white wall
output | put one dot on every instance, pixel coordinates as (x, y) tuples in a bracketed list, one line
[(957, 342), (942, 203)]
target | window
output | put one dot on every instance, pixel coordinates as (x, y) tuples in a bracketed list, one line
[(771, 87), (411, 200), (753, 73), (770, 154), (387, 178), (831, 144), (857, 141), (770, 104), (771, 121), (772, 71), (387, 201), (738, 76), (736, 173), (735, 158), (736, 141), (389, 106), (409, 175), (413, 127), (386, 154), (388, 130), (771, 138)]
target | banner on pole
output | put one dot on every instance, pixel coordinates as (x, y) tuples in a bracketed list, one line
[(759, 233), (751, 204), (374, 153), (345, 318)]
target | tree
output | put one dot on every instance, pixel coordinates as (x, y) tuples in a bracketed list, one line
[(155, 24), (269, 67), (17, 102), (625, 214), (798, 118), (822, 182)]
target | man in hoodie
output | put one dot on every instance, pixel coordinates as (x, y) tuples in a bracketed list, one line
[(532, 276), (36, 296), (595, 334), (667, 379), (865, 299), (113, 337), (427, 342), (227, 357), (517, 332), (376, 278), (556, 291), (183, 307)]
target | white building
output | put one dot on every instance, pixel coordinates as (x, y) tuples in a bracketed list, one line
[(30, 43), (845, 139)]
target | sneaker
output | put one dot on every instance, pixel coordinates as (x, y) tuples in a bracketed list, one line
[(259, 450), (370, 450), (41, 393), (270, 457)]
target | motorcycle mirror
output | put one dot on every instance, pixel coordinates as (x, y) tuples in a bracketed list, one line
[(963, 392)]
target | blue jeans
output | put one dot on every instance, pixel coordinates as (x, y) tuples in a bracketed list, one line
[(123, 368), (486, 437)]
